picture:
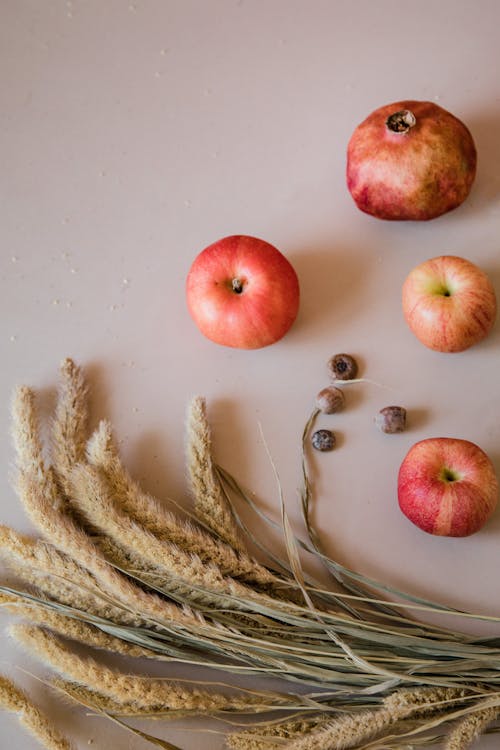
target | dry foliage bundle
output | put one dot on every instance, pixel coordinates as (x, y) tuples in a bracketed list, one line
[(115, 570)]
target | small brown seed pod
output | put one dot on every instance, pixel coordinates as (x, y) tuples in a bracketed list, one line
[(342, 367), (330, 399), (391, 419), (323, 440)]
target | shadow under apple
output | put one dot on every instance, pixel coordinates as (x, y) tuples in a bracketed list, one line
[(332, 280)]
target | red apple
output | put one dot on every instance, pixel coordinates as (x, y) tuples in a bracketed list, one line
[(410, 160), (447, 486), (449, 303), (242, 292)]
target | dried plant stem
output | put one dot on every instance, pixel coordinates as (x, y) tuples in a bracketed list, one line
[(92, 496), (15, 700), (468, 729), (44, 558), (61, 578), (419, 701), (152, 516), (39, 495), (52, 590), (25, 432), (349, 730), (72, 627), (264, 737), (98, 701), (344, 732), (210, 503), (113, 579), (143, 692), (69, 428)]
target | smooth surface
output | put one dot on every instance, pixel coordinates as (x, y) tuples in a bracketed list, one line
[(134, 134)]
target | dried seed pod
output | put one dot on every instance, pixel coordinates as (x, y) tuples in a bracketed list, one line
[(391, 419), (323, 440), (330, 399), (342, 367)]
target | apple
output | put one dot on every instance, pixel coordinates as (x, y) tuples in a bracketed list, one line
[(447, 486), (242, 292), (449, 303), (410, 160)]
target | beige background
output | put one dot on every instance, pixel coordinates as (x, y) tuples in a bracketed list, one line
[(133, 134)]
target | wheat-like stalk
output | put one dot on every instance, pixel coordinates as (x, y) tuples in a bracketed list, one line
[(275, 733), (45, 559), (350, 729), (120, 572), (53, 590), (39, 495), (209, 501), (162, 579), (94, 700), (470, 727), (91, 494), (69, 427), (149, 513), (60, 578), (72, 627), (13, 699), (143, 692), (101, 703)]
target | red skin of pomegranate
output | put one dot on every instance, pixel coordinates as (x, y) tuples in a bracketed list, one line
[(414, 175), (447, 486), (242, 292)]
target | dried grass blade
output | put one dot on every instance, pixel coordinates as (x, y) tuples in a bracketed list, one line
[(144, 735), (344, 575), (230, 482)]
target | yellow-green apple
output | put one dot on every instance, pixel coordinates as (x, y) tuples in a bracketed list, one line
[(242, 292), (447, 486), (449, 303), (410, 160)]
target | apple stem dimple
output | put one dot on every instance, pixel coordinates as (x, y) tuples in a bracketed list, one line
[(401, 122), (448, 475), (237, 286)]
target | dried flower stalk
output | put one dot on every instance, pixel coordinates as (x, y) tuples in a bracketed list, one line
[(264, 737), (236, 608), (349, 730), (143, 692), (210, 504), (93, 699), (93, 500), (148, 512), (15, 700), (69, 428), (39, 495), (468, 729), (73, 628)]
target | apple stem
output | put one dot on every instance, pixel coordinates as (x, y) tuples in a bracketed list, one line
[(237, 286), (401, 122)]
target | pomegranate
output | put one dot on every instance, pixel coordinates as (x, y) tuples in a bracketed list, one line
[(410, 160)]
